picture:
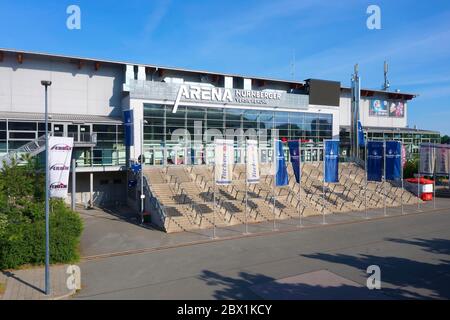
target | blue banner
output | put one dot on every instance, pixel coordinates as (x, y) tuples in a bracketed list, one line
[(361, 139), (375, 155), (294, 150), (281, 175), (331, 161), (393, 160), (128, 124)]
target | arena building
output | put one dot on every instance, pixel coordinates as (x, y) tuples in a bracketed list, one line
[(116, 111)]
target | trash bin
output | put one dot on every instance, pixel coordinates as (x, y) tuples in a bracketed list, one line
[(425, 188), (146, 217)]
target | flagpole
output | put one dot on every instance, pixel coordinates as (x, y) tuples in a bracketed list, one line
[(384, 186), (434, 177), (323, 184), (246, 187), (274, 178), (214, 195), (401, 164), (299, 184), (365, 187), (418, 184)]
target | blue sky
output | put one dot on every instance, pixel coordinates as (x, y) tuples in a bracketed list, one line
[(256, 38)]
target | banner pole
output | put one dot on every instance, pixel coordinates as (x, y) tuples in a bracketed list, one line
[(385, 182), (365, 187), (299, 183), (214, 197), (401, 164), (246, 188), (418, 179), (323, 184), (274, 178), (434, 176)]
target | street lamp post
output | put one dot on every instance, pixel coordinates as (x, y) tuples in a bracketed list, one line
[(142, 169), (46, 84)]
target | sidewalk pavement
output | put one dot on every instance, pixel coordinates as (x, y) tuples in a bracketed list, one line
[(28, 284), (117, 233)]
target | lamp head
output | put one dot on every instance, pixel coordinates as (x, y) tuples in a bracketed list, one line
[(46, 83)]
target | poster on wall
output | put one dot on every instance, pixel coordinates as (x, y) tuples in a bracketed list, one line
[(378, 108), (59, 156), (397, 109)]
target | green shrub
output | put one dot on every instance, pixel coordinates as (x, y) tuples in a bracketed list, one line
[(22, 221), (410, 168), (24, 242)]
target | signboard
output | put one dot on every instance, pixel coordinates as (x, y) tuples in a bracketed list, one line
[(375, 157), (209, 94), (397, 109), (378, 108), (224, 160), (59, 156), (361, 139), (393, 160), (331, 173), (252, 162)]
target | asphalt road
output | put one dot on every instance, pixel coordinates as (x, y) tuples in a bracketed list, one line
[(412, 251)]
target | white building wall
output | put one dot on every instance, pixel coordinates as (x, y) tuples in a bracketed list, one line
[(366, 119), (73, 90)]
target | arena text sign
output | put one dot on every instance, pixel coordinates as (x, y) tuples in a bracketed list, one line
[(223, 95)]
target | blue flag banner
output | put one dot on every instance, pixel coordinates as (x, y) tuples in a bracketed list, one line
[(361, 140), (128, 124), (393, 160), (375, 155), (281, 175), (295, 158), (331, 161)]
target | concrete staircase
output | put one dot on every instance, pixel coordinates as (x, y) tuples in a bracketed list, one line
[(188, 197)]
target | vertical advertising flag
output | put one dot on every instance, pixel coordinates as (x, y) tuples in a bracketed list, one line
[(442, 168), (361, 140), (281, 176), (331, 161), (128, 124), (294, 146), (393, 160), (375, 155), (224, 160), (59, 156), (252, 162), (427, 158)]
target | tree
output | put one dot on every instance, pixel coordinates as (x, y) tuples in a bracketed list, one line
[(445, 139)]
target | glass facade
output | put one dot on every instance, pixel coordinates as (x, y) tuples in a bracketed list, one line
[(187, 136), (109, 148)]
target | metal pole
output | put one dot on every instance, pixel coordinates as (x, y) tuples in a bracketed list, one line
[(418, 184), (142, 171), (401, 164), (246, 189), (274, 178), (299, 184), (47, 177), (434, 177), (323, 184), (384, 171), (214, 199), (74, 192), (365, 187)]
